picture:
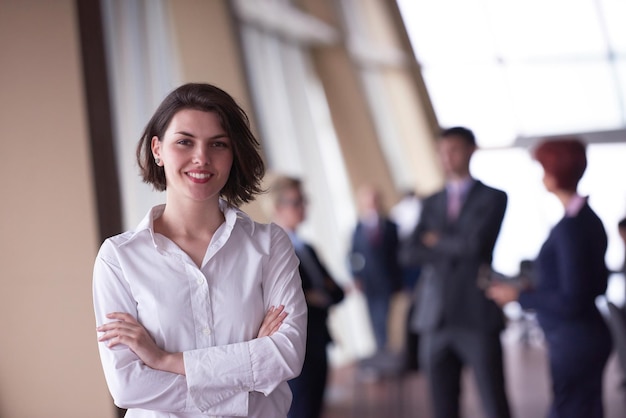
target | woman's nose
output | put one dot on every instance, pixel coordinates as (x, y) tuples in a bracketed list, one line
[(201, 155)]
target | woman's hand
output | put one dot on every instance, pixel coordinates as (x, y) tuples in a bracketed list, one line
[(272, 321), (502, 293), (126, 330)]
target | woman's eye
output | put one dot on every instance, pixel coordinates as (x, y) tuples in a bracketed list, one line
[(184, 142), (219, 144)]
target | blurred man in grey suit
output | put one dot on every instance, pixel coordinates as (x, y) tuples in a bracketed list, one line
[(458, 325)]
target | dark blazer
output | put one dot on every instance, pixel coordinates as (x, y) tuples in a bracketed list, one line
[(376, 263), (447, 292), (308, 388), (310, 265), (570, 272)]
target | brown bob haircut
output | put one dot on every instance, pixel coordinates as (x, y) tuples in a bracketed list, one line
[(565, 159), (248, 168)]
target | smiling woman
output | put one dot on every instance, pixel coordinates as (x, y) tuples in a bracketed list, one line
[(234, 124), (200, 309)]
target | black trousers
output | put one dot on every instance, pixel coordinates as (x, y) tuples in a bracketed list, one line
[(444, 353), (308, 388)]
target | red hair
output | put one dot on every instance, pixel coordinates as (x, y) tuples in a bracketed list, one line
[(563, 158)]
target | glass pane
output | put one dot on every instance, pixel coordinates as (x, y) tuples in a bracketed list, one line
[(476, 97), (620, 71), (447, 30), (525, 225), (539, 28), (565, 97), (607, 194), (614, 14)]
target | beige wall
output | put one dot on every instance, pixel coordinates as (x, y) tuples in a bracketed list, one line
[(49, 365)]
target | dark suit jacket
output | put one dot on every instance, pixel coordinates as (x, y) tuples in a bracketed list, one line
[(447, 294), (376, 263), (310, 265)]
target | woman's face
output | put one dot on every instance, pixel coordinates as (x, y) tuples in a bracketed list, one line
[(196, 154), (549, 181)]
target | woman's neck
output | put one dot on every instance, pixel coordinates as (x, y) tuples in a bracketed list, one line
[(190, 218), (565, 196)]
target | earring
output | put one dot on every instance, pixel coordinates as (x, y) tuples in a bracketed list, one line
[(157, 161)]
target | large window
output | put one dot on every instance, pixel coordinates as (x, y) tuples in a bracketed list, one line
[(515, 71), (293, 115), (140, 53), (520, 68)]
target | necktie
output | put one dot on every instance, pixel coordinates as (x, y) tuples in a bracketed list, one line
[(373, 233), (454, 202)]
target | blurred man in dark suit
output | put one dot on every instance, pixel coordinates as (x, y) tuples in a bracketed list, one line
[(374, 261), (458, 325)]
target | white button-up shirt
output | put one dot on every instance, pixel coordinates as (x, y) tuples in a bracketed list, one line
[(212, 314)]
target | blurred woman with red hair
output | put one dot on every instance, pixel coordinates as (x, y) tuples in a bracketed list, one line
[(570, 272)]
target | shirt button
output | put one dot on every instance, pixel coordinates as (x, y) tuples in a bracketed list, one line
[(206, 331), (200, 281)]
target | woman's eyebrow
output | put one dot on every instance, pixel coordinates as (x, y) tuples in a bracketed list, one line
[(185, 133)]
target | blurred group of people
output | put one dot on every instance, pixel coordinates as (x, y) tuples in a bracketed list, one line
[(203, 311), (441, 249)]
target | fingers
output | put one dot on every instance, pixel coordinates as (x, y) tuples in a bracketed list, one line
[(278, 323), (501, 294), (272, 321), (122, 316), (278, 317), (116, 332)]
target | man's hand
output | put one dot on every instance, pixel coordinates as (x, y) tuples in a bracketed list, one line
[(430, 239), (502, 293)]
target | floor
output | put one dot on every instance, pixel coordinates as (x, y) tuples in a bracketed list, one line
[(351, 394)]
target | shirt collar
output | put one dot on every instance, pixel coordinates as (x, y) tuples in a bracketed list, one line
[(231, 215), (370, 219), (574, 206), (462, 186)]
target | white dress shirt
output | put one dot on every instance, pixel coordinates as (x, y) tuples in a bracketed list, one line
[(212, 314)]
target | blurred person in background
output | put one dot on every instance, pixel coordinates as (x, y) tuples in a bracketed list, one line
[(374, 260), (321, 291), (200, 310), (406, 214), (458, 326), (570, 272)]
